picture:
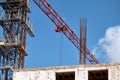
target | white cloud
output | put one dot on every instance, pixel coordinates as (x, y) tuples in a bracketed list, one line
[(110, 44)]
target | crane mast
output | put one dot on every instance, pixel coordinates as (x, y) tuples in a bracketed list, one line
[(61, 26), (15, 25)]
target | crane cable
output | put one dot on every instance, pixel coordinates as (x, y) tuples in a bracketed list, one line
[(61, 48)]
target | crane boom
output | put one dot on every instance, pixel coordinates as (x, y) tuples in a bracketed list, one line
[(63, 27)]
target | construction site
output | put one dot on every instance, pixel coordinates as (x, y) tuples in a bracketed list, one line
[(16, 24)]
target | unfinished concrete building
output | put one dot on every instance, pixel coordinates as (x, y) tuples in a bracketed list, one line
[(76, 72), (15, 24)]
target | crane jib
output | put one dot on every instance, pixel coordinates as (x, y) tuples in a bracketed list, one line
[(63, 27)]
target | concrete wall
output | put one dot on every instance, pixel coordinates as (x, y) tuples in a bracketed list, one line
[(81, 72)]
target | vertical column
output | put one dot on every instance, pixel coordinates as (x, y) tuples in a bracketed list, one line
[(83, 29)]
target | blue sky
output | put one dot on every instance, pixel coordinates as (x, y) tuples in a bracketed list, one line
[(45, 48), (47, 45)]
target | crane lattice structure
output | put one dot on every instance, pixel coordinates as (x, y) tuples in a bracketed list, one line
[(15, 23), (61, 26)]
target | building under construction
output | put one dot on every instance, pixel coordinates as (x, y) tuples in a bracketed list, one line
[(76, 72), (15, 24)]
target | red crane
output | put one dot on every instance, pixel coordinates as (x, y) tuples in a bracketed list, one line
[(63, 27)]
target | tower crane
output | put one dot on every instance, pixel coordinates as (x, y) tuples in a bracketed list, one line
[(61, 26)]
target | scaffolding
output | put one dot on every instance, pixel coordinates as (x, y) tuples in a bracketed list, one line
[(15, 23)]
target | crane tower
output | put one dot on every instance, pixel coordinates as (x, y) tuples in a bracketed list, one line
[(15, 24)]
